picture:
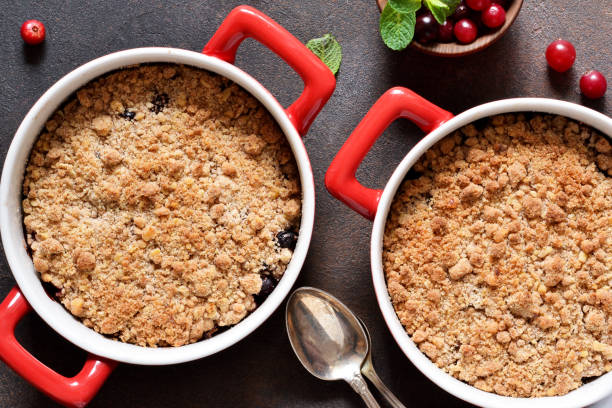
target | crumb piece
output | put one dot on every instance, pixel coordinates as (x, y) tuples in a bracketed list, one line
[(223, 261), (524, 304), (253, 145), (471, 192), (555, 214), (111, 157), (603, 146), (516, 173), (491, 214), (532, 206), (229, 169), (85, 261), (150, 189), (40, 264), (462, 268), (148, 233), (102, 125), (503, 337), (553, 270), (76, 306), (438, 225), (51, 246)]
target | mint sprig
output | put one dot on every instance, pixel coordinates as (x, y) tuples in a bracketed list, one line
[(328, 50), (442, 9), (397, 28), (406, 6), (398, 19)]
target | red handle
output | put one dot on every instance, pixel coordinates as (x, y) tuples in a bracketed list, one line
[(319, 82), (70, 392), (396, 103)]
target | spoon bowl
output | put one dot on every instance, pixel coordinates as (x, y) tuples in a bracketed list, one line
[(328, 339)]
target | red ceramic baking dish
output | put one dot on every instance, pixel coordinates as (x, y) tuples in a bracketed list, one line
[(218, 57), (375, 205)]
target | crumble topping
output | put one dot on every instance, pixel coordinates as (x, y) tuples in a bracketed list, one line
[(153, 200), (498, 255)]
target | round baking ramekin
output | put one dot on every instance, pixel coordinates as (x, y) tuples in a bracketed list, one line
[(375, 204), (218, 56)]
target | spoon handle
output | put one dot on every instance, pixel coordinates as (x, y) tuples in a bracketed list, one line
[(368, 371), (359, 385)]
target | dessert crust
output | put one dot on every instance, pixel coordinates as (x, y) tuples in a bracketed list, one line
[(152, 201), (498, 255)]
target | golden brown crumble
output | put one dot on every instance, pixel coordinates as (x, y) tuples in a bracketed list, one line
[(153, 199), (498, 256)]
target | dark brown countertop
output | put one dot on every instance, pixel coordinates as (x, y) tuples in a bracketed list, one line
[(261, 371)]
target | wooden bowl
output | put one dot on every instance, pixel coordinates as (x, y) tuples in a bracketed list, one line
[(455, 49)]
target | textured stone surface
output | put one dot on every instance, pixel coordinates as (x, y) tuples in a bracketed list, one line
[(261, 371)]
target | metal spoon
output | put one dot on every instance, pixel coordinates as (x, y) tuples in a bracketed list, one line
[(368, 370), (328, 339)]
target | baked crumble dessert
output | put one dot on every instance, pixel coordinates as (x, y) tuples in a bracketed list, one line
[(162, 201), (498, 255)]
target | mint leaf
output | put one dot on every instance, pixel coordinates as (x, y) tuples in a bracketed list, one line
[(405, 6), (396, 28), (441, 9), (328, 50)]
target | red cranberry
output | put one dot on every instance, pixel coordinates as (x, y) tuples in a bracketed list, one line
[(33, 32), (465, 31), (426, 28), (494, 16), (560, 55), (593, 85), (478, 5), (445, 32), (462, 11)]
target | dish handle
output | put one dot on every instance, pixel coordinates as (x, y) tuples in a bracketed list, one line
[(74, 392), (396, 103), (246, 22)]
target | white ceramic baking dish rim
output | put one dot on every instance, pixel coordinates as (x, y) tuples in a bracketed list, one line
[(52, 312), (585, 395)]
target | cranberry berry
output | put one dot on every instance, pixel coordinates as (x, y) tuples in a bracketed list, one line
[(33, 32), (593, 85), (426, 28), (478, 5), (494, 16), (465, 31), (462, 11), (445, 32), (560, 55)]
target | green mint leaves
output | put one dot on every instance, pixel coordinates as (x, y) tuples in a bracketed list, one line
[(328, 50), (406, 6), (398, 19), (441, 9), (397, 28)]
